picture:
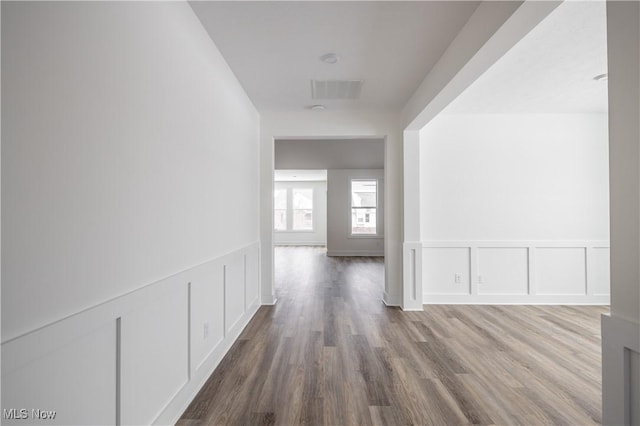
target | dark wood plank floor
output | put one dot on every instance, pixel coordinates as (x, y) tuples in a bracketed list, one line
[(330, 353)]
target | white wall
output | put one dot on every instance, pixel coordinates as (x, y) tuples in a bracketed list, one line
[(125, 138), (318, 236), (339, 240), (329, 154), (336, 124), (621, 330), (516, 204)]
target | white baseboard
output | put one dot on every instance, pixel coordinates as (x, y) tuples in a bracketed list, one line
[(450, 299), (366, 253), (301, 243), (388, 300)]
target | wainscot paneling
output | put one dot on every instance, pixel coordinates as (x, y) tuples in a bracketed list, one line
[(55, 377), (503, 270), (548, 272), (233, 292), (154, 352), (136, 359), (252, 274), (600, 276), (447, 270), (561, 270), (207, 311)]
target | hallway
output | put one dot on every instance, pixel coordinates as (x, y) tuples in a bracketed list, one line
[(329, 352)]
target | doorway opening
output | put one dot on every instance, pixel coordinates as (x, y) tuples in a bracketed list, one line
[(328, 200)]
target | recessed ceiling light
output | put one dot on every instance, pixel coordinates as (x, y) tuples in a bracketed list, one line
[(330, 58), (318, 107), (601, 77)]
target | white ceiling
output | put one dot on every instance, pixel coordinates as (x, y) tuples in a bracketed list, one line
[(274, 47), (550, 70), (300, 175)]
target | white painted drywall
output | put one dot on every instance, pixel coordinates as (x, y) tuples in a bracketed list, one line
[(329, 154), (130, 153), (336, 124), (318, 236), (515, 177), (339, 240)]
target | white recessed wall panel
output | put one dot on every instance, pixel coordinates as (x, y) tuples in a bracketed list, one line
[(77, 380), (234, 291), (252, 259), (441, 265), (503, 271), (601, 273), (561, 271), (207, 310), (154, 355)]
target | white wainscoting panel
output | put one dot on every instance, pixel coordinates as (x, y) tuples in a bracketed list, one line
[(56, 378), (503, 270), (600, 275), (561, 270), (207, 311), (252, 277), (139, 358), (516, 272), (154, 354), (233, 291), (441, 265)]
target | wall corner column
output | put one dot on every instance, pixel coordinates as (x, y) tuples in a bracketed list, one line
[(412, 238), (621, 329), (267, 294)]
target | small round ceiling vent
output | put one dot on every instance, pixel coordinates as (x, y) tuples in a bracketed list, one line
[(330, 58)]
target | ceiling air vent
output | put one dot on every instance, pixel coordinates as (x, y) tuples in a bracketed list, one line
[(336, 89)]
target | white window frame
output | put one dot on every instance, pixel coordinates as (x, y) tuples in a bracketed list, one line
[(290, 210), (313, 221), (350, 201), (286, 211)]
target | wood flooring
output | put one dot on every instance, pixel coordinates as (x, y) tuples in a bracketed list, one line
[(330, 353)]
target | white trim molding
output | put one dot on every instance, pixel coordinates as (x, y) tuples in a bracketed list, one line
[(412, 274), (620, 378)]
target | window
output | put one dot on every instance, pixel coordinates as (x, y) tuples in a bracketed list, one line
[(302, 209), (293, 209), (364, 204), (280, 209)]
